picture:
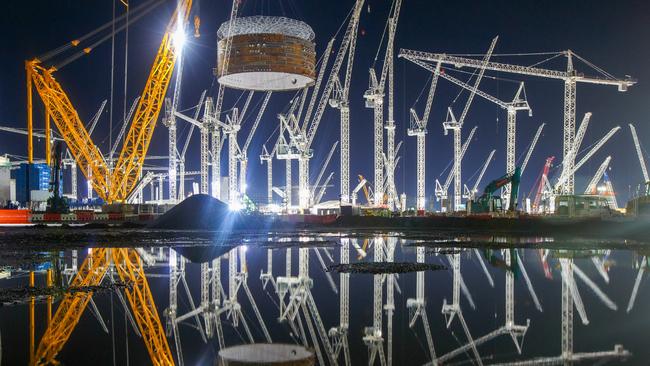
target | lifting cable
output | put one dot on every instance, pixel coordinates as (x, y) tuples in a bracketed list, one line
[(110, 105), (145, 7), (89, 49)]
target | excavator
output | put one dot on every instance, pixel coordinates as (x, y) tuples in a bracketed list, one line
[(57, 203), (489, 203)]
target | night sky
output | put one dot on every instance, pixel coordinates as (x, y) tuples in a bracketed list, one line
[(612, 35)]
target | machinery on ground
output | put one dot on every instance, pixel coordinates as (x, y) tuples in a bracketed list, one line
[(489, 203), (57, 203)]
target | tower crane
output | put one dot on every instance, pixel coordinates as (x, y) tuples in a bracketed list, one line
[(639, 153), (417, 306), (375, 99), (516, 332), (441, 190), (450, 310), (373, 336), (116, 185), (570, 77), (339, 335), (303, 137), (457, 125), (418, 128), (341, 101), (519, 103), (567, 355)]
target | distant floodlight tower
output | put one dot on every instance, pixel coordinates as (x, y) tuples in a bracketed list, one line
[(267, 54)]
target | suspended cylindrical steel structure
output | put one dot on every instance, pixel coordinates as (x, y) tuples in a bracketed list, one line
[(266, 54)]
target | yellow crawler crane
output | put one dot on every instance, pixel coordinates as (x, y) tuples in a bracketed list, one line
[(129, 268), (116, 185)]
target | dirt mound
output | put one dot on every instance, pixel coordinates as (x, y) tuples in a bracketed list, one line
[(203, 212)]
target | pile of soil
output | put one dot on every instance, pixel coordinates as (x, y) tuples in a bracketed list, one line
[(204, 212), (384, 267)]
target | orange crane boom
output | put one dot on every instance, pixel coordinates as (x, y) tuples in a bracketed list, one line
[(69, 312), (112, 186), (129, 165), (67, 121), (130, 270)]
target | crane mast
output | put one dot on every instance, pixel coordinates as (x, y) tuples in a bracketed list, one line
[(456, 127), (375, 99), (418, 128), (570, 78)]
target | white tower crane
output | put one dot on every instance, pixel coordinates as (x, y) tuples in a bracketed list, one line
[(341, 101), (418, 128), (418, 306), (519, 103), (339, 335), (457, 125), (375, 99), (570, 77), (302, 138), (373, 336)]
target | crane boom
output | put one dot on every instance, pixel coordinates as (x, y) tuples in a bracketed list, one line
[(129, 267), (591, 187), (514, 69), (589, 154), (249, 138), (542, 181), (462, 154), (319, 81), (639, 153), (91, 272), (322, 171), (65, 117), (136, 144), (197, 111), (486, 59), (480, 176), (95, 119), (532, 147), (354, 20)]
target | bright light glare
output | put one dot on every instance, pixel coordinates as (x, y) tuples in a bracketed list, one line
[(179, 37), (235, 206)]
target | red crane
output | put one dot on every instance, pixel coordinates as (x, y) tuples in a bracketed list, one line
[(543, 178)]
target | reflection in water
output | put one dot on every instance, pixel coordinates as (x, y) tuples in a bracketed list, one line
[(225, 308)]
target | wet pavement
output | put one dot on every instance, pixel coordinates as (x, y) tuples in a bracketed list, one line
[(408, 298)]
